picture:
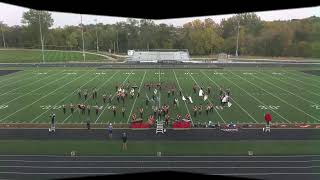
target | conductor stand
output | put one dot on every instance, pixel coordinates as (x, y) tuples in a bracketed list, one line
[(160, 127)]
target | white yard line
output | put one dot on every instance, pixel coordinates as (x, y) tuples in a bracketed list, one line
[(35, 89), (97, 90), (231, 98), (28, 84), (111, 99), (136, 96), (41, 97), (280, 99), (257, 99), (305, 89), (208, 98), (182, 94)]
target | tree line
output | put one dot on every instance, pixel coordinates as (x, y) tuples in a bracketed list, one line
[(295, 38)]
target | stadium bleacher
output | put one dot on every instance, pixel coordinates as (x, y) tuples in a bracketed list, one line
[(157, 56)]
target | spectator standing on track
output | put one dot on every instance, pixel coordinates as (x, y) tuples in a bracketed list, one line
[(53, 123), (268, 118), (110, 130), (124, 141)]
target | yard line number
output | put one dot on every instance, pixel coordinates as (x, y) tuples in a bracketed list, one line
[(269, 107), (317, 107), (46, 107), (3, 106)]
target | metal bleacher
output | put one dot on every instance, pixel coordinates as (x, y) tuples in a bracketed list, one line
[(159, 56)]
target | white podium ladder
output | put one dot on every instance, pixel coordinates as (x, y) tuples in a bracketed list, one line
[(160, 127)]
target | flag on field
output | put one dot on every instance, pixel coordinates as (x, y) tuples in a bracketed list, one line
[(229, 104), (183, 98), (190, 99), (155, 91), (200, 92), (205, 97), (147, 97)]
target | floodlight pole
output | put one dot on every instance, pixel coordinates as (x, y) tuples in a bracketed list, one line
[(97, 35), (238, 39), (41, 38), (84, 56), (3, 39)]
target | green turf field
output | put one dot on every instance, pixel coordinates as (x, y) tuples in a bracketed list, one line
[(30, 56), (290, 95)]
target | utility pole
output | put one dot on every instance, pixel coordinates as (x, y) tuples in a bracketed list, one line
[(97, 35), (83, 54), (238, 38), (3, 39), (41, 38)]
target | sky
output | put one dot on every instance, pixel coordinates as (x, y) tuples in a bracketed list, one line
[(11, 15)]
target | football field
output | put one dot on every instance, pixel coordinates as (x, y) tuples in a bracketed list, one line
[(290, 95)]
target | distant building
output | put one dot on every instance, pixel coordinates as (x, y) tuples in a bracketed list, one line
[(159, 55)]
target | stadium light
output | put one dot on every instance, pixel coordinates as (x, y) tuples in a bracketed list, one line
[(3, 39), (238, 38), (97, 35), (84, 56), (41, 38)]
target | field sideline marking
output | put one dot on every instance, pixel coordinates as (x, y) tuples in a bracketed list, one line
[(64, 98), (111, 99), (137, 96), (231, 97), (293, 86), (183, 101), (97, 90), (43, 96), (258, 100), (279, 98), (208, 98), (300, 80), (33, 90)]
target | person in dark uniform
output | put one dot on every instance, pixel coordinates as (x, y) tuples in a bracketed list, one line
[(180, 92), (123, 110), (141, 112), (110, 98), (104, 98), (97, 109), (124, 141), (169, 93), (209, 90), (194, 89), (228, 91), (114, 110), (89, 110), (194, 111), (85, 95), (79, 93), (71, 108), (64, 109), (88, 124), (138, 94), (147, 101)]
